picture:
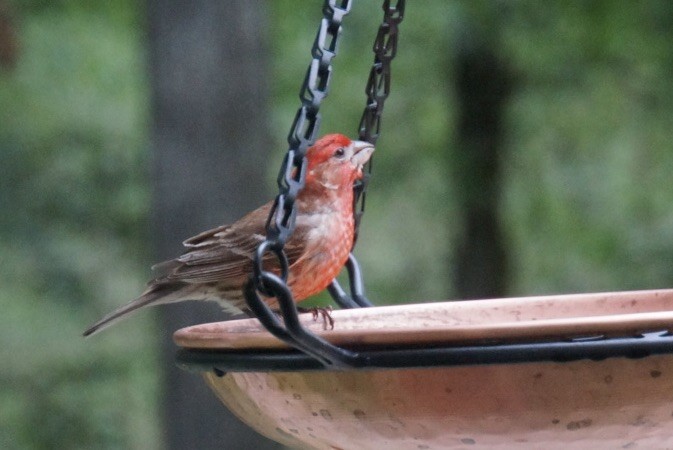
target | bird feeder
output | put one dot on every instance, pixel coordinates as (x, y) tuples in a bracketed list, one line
[(585, 370), (589, 370)]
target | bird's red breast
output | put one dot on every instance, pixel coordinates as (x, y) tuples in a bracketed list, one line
[(327, 243)]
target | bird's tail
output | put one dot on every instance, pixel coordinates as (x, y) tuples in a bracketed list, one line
[(155, 295)]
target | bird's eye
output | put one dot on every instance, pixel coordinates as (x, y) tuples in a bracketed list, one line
[(339, 152)]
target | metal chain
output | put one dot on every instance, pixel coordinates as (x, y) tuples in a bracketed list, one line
[(303, 133), (377, 90)]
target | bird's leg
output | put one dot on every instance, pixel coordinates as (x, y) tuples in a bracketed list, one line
[(318, 311)]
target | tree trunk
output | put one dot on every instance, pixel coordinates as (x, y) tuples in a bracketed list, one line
[(9, 47), (210, 139), (483, 85)]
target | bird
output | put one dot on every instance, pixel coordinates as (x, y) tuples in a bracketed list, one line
[(217, 263)]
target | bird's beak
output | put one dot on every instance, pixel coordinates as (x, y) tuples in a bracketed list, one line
[(362, 151)]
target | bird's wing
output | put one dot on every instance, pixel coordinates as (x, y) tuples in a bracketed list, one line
[(225, 253)]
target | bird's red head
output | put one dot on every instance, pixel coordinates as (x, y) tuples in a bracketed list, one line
[(335, 161)]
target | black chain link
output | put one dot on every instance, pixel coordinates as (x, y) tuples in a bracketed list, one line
[(306, 124), (377, 90)]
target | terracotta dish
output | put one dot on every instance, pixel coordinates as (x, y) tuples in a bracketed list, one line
[(616, 402)]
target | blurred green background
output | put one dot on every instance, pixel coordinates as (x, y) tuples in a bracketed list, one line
[(585, 190)]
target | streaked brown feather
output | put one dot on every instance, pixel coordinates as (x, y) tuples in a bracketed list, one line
[(225, 253)]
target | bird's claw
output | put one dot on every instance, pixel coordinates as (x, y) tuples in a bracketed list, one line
[(319, 311)]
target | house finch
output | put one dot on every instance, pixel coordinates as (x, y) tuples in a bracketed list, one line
[(217, 263)]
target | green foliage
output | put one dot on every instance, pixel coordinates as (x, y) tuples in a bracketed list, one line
[(586, 196), (588, 192), (74, 192)]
